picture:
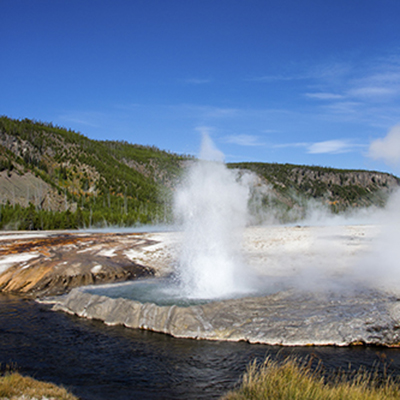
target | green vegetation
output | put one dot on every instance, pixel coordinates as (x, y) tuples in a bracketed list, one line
[(14, 386), (295, 380), (55, 178), (92, 183), (293, 185)]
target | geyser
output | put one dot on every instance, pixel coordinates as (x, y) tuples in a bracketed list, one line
[(307, 288), (211, 205)]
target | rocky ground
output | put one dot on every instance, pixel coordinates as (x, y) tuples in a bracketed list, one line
[(49, 263)]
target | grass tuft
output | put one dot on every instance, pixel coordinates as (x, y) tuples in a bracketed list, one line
[(294, 379), (15, 386)]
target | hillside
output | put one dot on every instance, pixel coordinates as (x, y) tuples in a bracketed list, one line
[(52, 177), (289, 189)]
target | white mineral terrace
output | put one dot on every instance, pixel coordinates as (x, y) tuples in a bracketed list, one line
[(331, 287)]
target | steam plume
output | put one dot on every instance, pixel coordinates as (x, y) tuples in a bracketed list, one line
[(212, 206)]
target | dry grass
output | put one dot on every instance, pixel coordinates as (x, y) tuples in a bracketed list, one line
[(295, 380), (14, 386)]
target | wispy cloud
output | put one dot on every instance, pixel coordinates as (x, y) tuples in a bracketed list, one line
[(367, 82), (331, 72), (286, 145), (197, 81), (243, 140), (372, 92), (343, 107), (273, 78), (330, 147), (217, 112), (324, 96), (90, 119)]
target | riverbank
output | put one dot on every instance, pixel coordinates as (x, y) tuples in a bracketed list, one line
[(100, 362), (14, 386)]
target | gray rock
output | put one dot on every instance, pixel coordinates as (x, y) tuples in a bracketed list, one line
[(286, 318)]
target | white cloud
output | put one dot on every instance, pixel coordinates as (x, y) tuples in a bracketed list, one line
[(88, 118), (372, 92), (330, 146), (197, 81), (324, 96), (387, 148), (331, 72), (284, 145), (243, 140), (343, 107), (218, 112), (272, 78)]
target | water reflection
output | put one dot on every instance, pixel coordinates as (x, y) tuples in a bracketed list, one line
[(100, 362)]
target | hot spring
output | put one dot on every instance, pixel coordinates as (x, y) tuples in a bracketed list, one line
[(333, 285), (210, 208)]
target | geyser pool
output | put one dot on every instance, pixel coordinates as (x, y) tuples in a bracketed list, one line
[(168, 292), (163, 292)]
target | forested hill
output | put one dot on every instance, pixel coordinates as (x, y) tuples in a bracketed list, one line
[(291, 190), (52, 177)]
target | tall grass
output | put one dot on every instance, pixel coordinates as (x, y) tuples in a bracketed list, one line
[(293, 379), (15, 386)]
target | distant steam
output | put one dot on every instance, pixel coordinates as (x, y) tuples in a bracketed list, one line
[(388, 148)]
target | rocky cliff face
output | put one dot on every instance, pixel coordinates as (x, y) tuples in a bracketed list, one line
[(365, 179)]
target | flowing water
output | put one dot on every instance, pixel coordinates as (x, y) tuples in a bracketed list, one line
[(99, 362)]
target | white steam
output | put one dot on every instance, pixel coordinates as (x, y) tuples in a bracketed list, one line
[(212, 206), (388, 148), (327, 252), (380, 265)]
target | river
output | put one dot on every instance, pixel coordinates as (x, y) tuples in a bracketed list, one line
[(99, 362)]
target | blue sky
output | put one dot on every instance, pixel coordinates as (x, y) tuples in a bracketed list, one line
[(304, 82)]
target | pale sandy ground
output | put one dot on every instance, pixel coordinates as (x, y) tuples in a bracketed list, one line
[(276, 251), (290, 250), (267, 249)]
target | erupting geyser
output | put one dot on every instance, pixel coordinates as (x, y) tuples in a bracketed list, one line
[(211, 204), (306, 289)]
